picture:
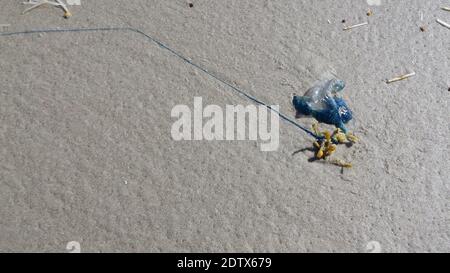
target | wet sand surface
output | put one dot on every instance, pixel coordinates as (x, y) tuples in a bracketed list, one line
[(86, 152)]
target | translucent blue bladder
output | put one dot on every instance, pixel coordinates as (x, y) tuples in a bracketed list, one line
[(322, 103)]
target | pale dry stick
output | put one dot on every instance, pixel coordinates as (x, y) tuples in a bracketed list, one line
[(5, 25), (404, 77), (341, 163), (36, 5), (34, 2), (442, 23), (67, 13), (445, 8), (355, 26), (58, 3)]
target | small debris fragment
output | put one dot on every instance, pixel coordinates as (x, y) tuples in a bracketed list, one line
[(442, 23), (74, 2), (67, 13), (369, 12), (445, 8), (38, 3), (341, 163), (423, 29), (191, 5), (355, 26), (35, 5), (401, 78), (344, 21), (4, 25)]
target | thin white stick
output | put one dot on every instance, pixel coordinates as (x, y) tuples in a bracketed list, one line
[(62, 5), (46, 2), (445, 8), (67, 13), (404, 77), (355, 26), (38, 4), (5, 25), (442, 23)]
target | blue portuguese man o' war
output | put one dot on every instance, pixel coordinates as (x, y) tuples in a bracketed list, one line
[(322, 103)]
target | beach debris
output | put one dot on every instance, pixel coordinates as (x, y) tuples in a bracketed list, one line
[(442, 23), (446, 8), (4, 25), (369, 12), (35, 4), (400, 78), (38, 3), (67, 13), (74, 2), (341, 163), (355, 26), (191, 5), (423, 29), (322, 103), (374, 2), (327, 145)]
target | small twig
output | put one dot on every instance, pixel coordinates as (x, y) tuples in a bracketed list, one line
[(445, 8), (67, 13), (36, 5), (341, 163), (442, 23), (404, 77), (355, 26)]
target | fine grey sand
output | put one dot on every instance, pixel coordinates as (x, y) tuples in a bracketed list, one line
[(86, 153)]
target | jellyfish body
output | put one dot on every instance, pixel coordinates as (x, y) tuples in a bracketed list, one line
[(322, 103)]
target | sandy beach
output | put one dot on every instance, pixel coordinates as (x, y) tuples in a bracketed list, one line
[(87, 156)]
